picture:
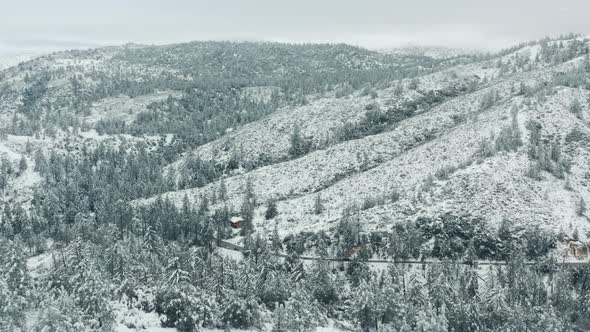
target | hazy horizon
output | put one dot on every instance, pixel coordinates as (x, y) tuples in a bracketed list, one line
[(37, 26)]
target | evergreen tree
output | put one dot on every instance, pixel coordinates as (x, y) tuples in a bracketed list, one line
[(271, 210), (14, 286), (324, 289), (277, 245), (429, 321), (92, 295), (318, 207), (247, 213), (299, 144), (581, 207), (59, 313), (247, 209), (440, 290), (302, 312), (22, 165), (575, 107), (279, 316), (364, 307), (576, 235), (222, 195)]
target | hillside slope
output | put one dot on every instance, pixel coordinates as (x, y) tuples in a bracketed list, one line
[(403, 159), (371, 127)]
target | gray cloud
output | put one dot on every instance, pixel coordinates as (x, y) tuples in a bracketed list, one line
[(369, 23)]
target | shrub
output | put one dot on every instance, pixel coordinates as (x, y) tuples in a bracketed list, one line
[(394, 196), (486, 147), (184, 307), (428, 183), (488, 100), (575, 107), (242, 314), (444, 172), (371, 202)]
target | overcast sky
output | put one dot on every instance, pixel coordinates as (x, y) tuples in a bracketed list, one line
[(29, 25)]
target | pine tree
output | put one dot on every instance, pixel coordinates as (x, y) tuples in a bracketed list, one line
[(567, 185), (249, 191), (40, 162), (299, 144), (440, 290), (186, 214), (364, 306), (12, 316), (277, 245), (222, 195), (318, 207), (247, 213), (576, 107), (271, 210), (555, 151), (152, 244), (22, 165), (279, 318), (516, 132), (14, 286), (416, 291), (581, 207), (176, 274), (3, 181), (92, 295), (429, 321), (324, 289), (576, 235), (59, 313), (247, 209), (302, 312)]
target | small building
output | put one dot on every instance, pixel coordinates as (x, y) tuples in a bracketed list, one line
[(235, 222), (577, 249)]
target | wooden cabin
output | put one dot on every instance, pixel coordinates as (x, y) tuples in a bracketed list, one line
[(235, 222)]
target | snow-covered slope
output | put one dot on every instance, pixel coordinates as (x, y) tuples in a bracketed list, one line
[(444, 116), (403, 159)]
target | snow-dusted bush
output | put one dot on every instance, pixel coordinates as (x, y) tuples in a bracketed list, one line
[(59, 313), (185, 308), (138, 319), (242, 313)]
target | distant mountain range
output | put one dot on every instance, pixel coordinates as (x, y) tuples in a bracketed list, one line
[(437, 52)]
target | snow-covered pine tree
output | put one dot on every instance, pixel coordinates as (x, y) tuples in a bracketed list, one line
[(14, 284), (302, 311), (276, 243), (58, 313), (365, 305), (271, 210)]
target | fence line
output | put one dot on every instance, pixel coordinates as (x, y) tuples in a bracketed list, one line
[(235, 247)]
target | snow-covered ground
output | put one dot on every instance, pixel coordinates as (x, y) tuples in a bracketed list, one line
[(400, 160), (124, 108)]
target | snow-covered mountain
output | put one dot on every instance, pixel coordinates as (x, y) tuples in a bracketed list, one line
[(184, 185), (436, 52), (367, 141)]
